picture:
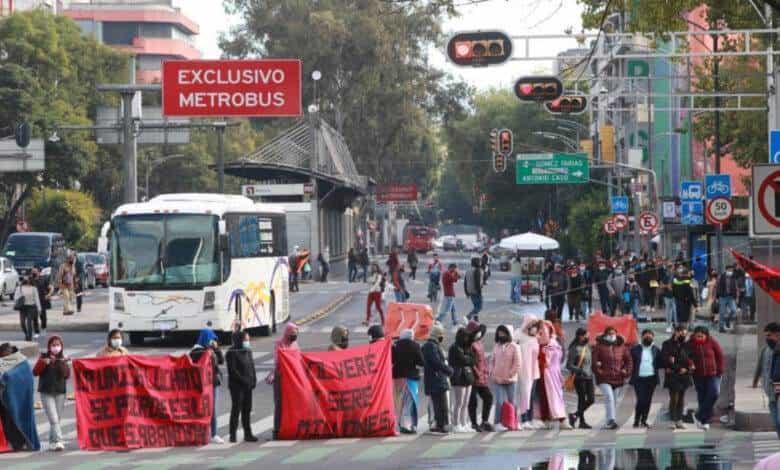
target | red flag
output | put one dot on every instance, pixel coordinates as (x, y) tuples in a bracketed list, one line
[(767, 278)]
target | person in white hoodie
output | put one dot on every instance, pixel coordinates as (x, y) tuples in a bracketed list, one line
[(528, 376)]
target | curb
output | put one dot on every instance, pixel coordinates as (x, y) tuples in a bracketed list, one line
[(326, 310)]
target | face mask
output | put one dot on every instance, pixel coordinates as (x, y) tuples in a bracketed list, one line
[(771, 343), (729, 273), (602, 268), (344, 344), (618, 271), (647, 341), (292, 338), (532, 331), (246, 345), (116, 343), (680, 338), (582, 267), (642, 265), (611, 338), (584, 340), (56, 350), (441, 339), (501, 339)]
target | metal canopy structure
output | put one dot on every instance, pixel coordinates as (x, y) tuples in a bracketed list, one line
[(309, 148)]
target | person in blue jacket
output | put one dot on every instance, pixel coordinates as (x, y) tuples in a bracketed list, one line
[(647, 360), (437, 378)]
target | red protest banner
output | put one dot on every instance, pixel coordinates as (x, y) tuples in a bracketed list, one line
[(132, 402), (417, 317), (345, 393), (261, 88), (4, 447)]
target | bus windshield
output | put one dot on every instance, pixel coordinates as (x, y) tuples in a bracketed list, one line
[(24, 246), (165, 251)]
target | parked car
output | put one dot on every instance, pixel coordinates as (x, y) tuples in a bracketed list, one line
[(9, 278), (96, 264)]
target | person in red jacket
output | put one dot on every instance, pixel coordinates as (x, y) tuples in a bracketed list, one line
[(612, 366), (448, 281), (708, 366)]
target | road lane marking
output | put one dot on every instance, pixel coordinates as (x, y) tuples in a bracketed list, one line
[(310, 455), (443, 450), (378, 452), (241, 458)]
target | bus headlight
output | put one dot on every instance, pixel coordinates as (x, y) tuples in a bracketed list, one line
[(208, 300), (119, 302)]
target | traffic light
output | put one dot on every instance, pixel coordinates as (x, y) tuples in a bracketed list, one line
[(499, 162), (567, 104), (479, 49), (494, 140), (538, 88), (22, 134), (505, 142)]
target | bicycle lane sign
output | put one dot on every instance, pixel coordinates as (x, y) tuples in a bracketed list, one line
[(716, 186)]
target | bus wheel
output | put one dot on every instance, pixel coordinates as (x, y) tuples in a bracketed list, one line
[(136, 339)]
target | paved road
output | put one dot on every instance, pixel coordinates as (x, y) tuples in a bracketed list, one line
[(627, 448)]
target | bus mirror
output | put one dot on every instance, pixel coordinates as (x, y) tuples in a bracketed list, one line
[(222, 227)]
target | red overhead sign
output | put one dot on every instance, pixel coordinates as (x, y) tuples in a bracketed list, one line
[(396, 193), (260, 88)]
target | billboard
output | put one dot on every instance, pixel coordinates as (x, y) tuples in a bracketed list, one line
[(396, 193)]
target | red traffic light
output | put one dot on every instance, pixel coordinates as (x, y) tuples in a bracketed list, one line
[(505, 141), (499, 163), (567, 104), (538, 88), (479, 49)]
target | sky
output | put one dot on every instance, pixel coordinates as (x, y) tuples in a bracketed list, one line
[(515, 17)]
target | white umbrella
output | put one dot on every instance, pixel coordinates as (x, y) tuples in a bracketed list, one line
[(529, 242)]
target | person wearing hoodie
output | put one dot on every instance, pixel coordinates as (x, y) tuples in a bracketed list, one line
[(528, 377), (207, 341), (480, 388), (684, 296), (677, 366), (708, 366), (288, 342), (52, 370), (407, 359), (461, 359), (612, 366), (16, 406), (616, 284), (646, 359), (113, 345), (339, 338), (551, 404), (375, 333), (437, 374), (504, 368), (242, 379), (580, 362)]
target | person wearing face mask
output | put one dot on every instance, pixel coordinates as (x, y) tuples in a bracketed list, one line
[(288, 342), (684, 295), (763, 372), (612, 365), (461, 359), (242, 380), (617, 286), (726, 294), (646, 358), (600, 278), (480, 389), (53, 371), (339, 338), (529, 374), (407, 360), (436, 378), (556, 285), (708, 366), (208, 341), (552, 408), (574, 294), (677, 366), (504, 368), (114, 345), (586, 300), (580, 362)]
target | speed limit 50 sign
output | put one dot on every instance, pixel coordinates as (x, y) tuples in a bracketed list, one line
[(719, 210)]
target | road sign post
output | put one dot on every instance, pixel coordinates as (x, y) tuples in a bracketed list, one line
[(552, 168)]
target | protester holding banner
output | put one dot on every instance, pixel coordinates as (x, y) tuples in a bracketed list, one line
[(288, 341), (580, 362), (407, 358), (528, 376), (677, 365), (242, 379), (461, 359), (708, 366), (52, 370), (480, 388), (612, 367), (646, 358), (113, 345), (375, 333), (207, 341), (339, 338), (437, 374), (504, 368), (17, 416)]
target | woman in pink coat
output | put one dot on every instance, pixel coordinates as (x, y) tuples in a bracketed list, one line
[(504, 365), (528, 345), (551, 405)]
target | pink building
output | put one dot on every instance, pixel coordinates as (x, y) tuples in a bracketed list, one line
[(152, 30)]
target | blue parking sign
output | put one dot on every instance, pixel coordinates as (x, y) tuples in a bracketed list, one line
[(774, 146), (717, 186), (691, 191), (620, 204)]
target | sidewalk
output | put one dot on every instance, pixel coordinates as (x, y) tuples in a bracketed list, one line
[(750, 404)]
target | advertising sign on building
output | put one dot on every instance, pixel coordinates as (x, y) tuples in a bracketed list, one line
[(258, 88), (396, 193)]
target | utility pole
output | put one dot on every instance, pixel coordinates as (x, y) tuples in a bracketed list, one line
[(718, 227), (220, 128)]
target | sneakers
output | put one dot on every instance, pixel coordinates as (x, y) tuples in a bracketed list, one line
[(679, 425), (407, 431), (36, 336), (668, 329), (437, 430), (217, 440), (584, 425), (611, 425), (58, 447), (250, 438), (501, 428), (572, 419), (487, 427)]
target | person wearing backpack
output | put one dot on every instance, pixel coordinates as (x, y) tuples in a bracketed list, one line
[(768, 370)]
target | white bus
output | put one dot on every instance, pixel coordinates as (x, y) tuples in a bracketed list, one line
[(183, 262)]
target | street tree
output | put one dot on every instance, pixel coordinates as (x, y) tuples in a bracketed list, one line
[(72, 213)]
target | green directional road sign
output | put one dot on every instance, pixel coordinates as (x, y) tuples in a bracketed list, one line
[(552, 168)]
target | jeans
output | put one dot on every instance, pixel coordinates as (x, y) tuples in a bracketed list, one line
[(476, 301), (644, 388), (612, 395), (707, 391), (676, 405), (364, 273), (503, 392), (400, 296), (460, 401), (584, 308), (26, 317), (670, 310), (775, 416), (447, 306), (556, 303), (727, 312), (53, 405), (376, 299), (293, 281), (585, 396), (352, 273), (214, 412), (515, 290), (604, 301), (483, 392), (635, 310)]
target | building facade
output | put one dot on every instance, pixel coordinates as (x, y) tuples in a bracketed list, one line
[(151, 30)]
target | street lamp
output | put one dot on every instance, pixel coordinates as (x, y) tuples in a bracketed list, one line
[(159, 161)]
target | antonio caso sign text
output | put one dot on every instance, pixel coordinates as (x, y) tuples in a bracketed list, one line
[(258, 88)]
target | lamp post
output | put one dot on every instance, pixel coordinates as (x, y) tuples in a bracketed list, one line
[(159, 161)]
